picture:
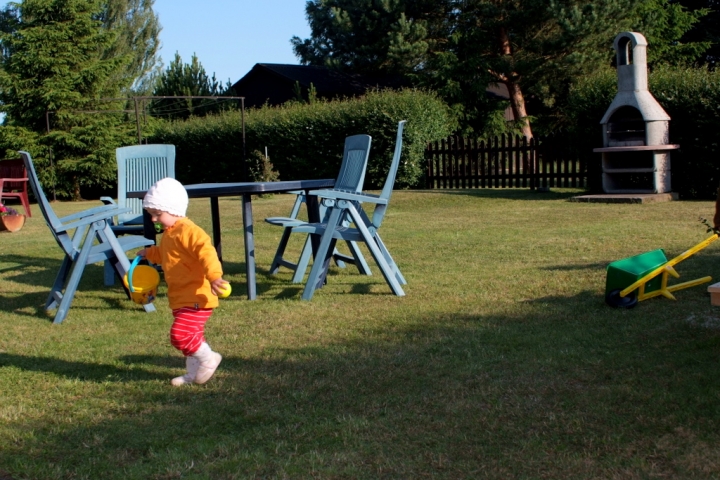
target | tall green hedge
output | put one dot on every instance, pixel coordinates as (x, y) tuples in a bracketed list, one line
[(306, 140), (692, 99)]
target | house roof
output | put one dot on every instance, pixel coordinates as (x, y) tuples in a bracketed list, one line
[(329, 82), (274, 82)]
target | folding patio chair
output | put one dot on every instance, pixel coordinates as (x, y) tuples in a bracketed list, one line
[(138, 167), (76, 235), (350, 178), (342, 205)]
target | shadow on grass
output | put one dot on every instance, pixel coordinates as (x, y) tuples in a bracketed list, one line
[(88, 372), (575, 266), (570, 388), (41, 272)]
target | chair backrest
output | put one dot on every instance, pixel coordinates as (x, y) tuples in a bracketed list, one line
[(139, 166), (354, 163), (14, 168), (380, 209), (53, 222)]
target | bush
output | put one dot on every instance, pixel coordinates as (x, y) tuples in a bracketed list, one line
[(306, 140), (692, 99)]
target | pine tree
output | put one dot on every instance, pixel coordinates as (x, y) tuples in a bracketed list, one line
[(666, 24), (187, 79), (707, 28), (52, 68)]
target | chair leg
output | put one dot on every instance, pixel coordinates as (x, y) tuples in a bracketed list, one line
[(390, 260), (56, 294), (26, 205), (303, 262), (75, 275), (323, 256), (360, 262), (277, 261), (108, 273), (339, 258), (387, 271)]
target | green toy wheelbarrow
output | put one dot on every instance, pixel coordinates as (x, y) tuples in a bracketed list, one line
[(644, 276)]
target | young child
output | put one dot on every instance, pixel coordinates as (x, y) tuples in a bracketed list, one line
[(193, 274)]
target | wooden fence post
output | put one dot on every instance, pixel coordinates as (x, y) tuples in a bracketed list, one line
[(508, 161)]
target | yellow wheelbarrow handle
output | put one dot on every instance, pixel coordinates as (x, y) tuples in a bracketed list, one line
[(668, 265)]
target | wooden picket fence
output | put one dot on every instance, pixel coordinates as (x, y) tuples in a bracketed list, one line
[(506, 161)]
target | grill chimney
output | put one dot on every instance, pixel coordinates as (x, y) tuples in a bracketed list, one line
[(636, 129)]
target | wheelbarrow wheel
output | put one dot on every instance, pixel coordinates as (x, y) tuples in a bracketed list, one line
[(616, 301)]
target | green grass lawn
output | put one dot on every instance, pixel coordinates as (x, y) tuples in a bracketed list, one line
[(502, 361)]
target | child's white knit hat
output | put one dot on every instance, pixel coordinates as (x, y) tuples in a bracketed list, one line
[(167, 195)]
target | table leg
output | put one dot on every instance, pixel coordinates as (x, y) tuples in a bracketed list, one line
[(215, 215), (249, 245), (149, 231), (313, 209)]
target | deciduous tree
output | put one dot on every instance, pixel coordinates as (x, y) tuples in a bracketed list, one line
[(534, 47), (137, 29)]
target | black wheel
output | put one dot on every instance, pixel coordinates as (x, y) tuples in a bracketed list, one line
[(616, 301)]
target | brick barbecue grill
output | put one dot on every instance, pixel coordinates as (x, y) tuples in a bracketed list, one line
[(636, 129)]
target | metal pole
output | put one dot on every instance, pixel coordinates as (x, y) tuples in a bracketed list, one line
[(137, 121), (244, 158), (52, 166)]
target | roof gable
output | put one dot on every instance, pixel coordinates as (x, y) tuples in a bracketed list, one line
[(275, 83)]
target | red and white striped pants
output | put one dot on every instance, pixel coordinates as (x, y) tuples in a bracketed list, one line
[(188, 329)]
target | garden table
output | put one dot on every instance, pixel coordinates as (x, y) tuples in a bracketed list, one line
[(245, 190)]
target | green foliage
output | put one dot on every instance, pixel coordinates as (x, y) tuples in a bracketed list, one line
[(691, 96), (60, 58), (138, 31), (306, 140), (707, 29), (369, 36), (42, 70), (188, 79), (260, 168), (298, 92), (458, 47), (664, 24)]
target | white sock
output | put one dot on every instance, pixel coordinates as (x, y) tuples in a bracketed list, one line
[(208, 363), (191, 365), (203, 353)]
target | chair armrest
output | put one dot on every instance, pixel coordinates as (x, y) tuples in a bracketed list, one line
[(108, 201), (107, 210), (350, 196), (87, 220), (285, 222)]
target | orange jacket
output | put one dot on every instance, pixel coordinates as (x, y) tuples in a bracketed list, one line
[(189, 262)]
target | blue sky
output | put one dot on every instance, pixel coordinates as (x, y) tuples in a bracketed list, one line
[(230, 36)]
